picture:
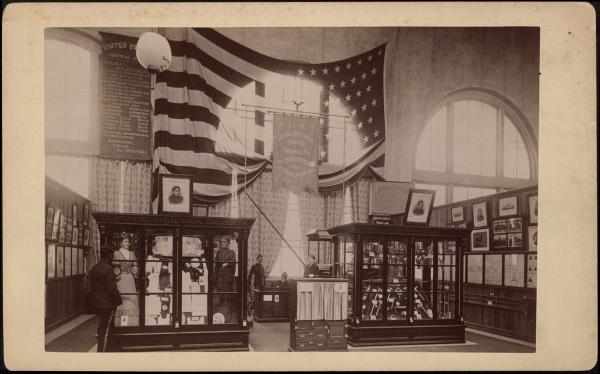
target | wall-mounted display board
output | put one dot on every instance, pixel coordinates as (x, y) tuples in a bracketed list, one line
[(126, 108)]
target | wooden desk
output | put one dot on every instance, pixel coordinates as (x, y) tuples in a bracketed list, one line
[(272, 305)]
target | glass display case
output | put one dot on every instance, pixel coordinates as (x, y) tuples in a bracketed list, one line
[(319, 244), (403, 282), (181, 280)]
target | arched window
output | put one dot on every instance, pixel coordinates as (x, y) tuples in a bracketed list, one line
[(474, 144), (71, 106)]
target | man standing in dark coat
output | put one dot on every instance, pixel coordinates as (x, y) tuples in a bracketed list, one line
[(105, 295), (258, 271)]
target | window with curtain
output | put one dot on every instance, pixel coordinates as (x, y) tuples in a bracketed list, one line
[(471, 147), (71, 100)]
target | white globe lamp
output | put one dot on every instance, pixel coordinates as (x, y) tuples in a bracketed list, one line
[(153, 52)]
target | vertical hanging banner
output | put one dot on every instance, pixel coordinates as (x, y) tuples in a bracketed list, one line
[(295, 152), (125, 118)]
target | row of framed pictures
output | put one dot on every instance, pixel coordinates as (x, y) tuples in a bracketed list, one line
[(508, 269), (67, 229), (507, 207), (503, 238), (63, 261)]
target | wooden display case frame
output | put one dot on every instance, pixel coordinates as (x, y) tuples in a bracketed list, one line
[(405, 331), (216, 337)]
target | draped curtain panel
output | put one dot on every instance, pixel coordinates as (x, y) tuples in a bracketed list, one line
[(263, 238), (361, 191), (121, 186), (312, 216)]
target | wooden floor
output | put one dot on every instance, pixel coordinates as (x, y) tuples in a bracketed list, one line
[(274, 337)]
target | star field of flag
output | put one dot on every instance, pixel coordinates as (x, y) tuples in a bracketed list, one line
[(358, 83)]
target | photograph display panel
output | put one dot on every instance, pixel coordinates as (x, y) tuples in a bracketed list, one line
[(514, 270), (493, 270)]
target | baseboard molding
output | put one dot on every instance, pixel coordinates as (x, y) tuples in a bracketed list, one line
[(66, 327), (500, 337)]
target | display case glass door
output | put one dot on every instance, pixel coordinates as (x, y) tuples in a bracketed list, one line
[(397, 279), (372, 282), (173, 280)]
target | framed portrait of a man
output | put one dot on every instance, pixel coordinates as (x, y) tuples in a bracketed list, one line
[(532, 232), (175, 194), (418, 207)]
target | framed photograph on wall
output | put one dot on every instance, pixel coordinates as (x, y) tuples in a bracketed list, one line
[(533, 209), (507, 206), (175, 194), (86, 214), (532, 232), (480, 240), (499, 226), (74, 214), (418, 207), (49, 214), (458, 214), (514, 224), (480, 214)]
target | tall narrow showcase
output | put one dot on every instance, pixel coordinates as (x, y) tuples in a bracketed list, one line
[(182, 280), (404, 283)]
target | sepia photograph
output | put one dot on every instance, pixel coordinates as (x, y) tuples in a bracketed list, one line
[(275, 141), (265, 182), (480, 214)]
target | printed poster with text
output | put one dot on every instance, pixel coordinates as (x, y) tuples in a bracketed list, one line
[(295, 152), (126, 107)]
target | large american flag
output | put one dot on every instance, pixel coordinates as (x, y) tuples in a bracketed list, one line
[(195, 132)]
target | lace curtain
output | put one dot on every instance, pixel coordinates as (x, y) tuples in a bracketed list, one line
[(263, 238), (121, 186)]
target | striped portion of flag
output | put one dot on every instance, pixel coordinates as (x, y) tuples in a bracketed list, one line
[(195, 133)]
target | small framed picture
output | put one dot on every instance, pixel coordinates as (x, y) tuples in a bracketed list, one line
[(458, 214), (60, 261), (51, 261), (533, 209), (48, 230), (86, 237), (175, 194), (86, 214), (514, 224), (74, 214), (480, 214), (499, 226), (507, 206), (62, 231), (532, 232), (500, 241), (49, 214), (75, 234), (69, 230), (418, 207), (56, 217), (80, 234), (480, 240), (67, 261), (515, 240)]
